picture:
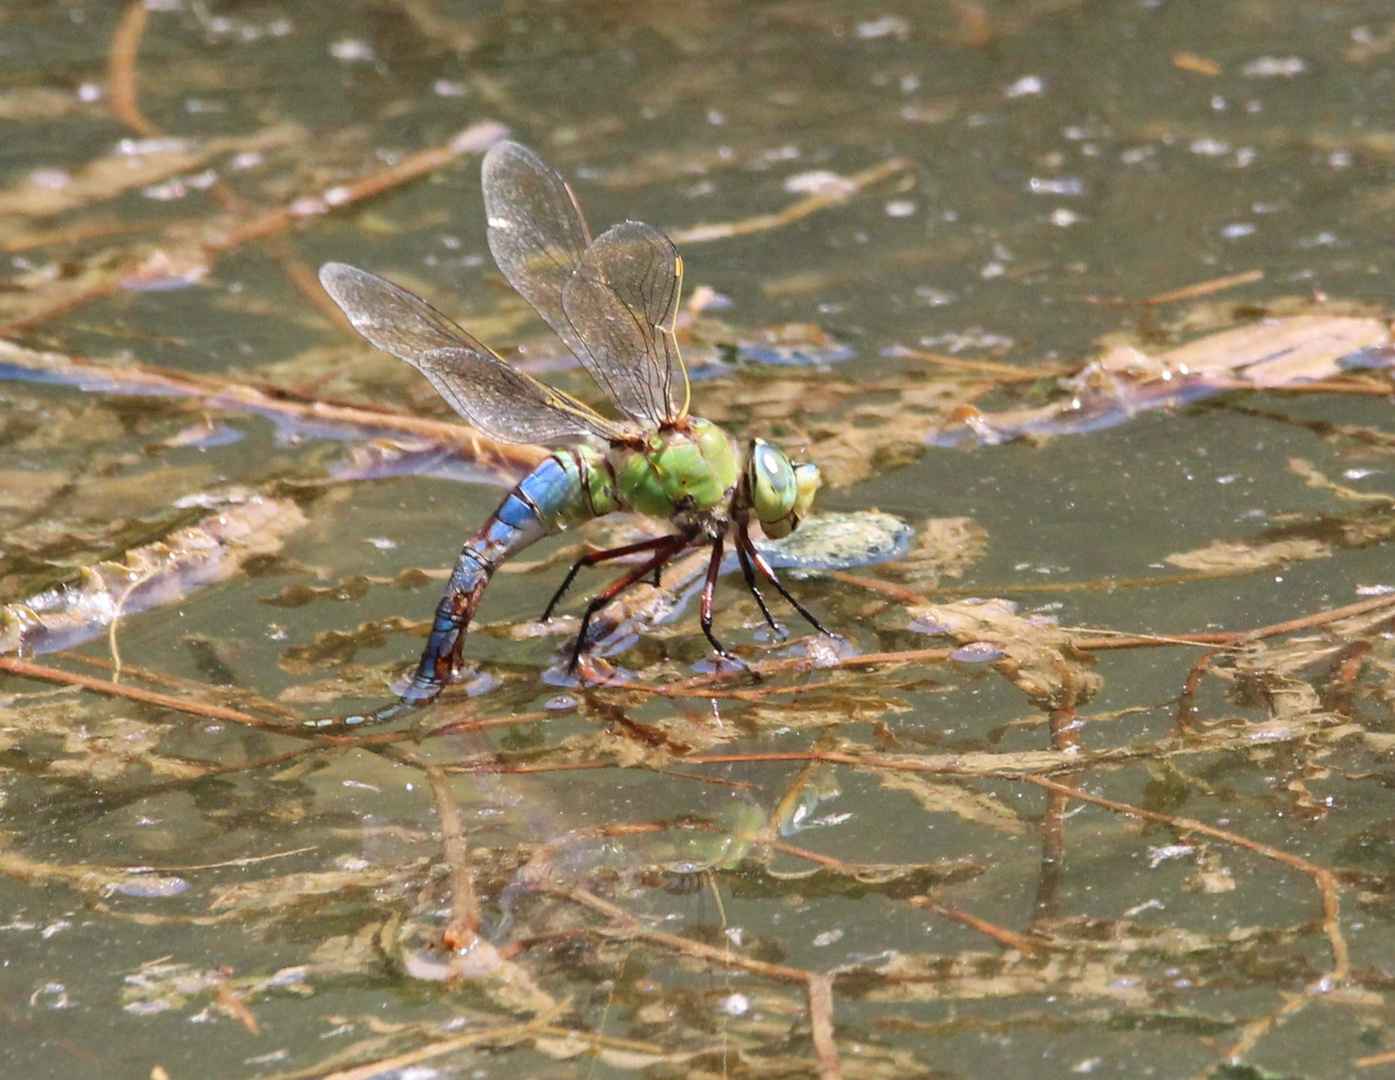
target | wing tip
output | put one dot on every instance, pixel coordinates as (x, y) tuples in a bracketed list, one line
[(334, 276)]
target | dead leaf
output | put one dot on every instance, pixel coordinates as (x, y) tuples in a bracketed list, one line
[(950, 798), (1035, 653), (1239, 555)]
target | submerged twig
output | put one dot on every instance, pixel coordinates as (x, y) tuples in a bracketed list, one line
[(699, 234), (1185, 292), (462, 931), (205, 253), (225, 392), (818, 986), (121, 69), (132, 693)]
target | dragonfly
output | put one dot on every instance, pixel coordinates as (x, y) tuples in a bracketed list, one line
[(613, 302)]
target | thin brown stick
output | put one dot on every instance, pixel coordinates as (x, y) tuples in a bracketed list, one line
[(1323, 878), (462, 931), (1206, 288), (1008, 939), (126, 105), (1045, 904), (1065, 739), (121, 69), (501, 1037), (223, 392), (1318, 618), (699, 234), (1186, 701), (625, 925), (820, 990), (375, 1070), (1186, 292), (473, 139), (837, 865), (1186, 705), (700, 684), (988, 764), (1256, 1029), (1099, 585), (818, 986), (131, 693), (160, 678), (993, 370)]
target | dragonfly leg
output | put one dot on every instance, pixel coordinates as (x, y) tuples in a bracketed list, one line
[(750, 575), (768, 573), (593, 558), (709, 590), (664, 550)]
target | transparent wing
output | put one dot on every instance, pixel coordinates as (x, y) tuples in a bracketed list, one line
[(622, 303), (501, 401), (536, 231)]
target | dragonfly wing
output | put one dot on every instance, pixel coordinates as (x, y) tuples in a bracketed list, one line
[(508, 404), (622, 304), (501, 401), (393, 319), (536, 231)]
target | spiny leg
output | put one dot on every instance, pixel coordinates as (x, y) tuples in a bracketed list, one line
[(594, 557), (664, 550), (744, 540), (750, 576), (709, 590)]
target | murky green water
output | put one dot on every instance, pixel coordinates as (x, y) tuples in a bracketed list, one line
[(1059, 158)]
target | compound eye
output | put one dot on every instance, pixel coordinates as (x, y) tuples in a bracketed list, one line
[(774, 488)]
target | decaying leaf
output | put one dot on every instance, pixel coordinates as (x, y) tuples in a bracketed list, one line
[(960, 800), (874, 438), (1035, 653), (119, 746), (1300, 541), (970, 976), (335, 648), (1240, 556), (944, 548), (284, 895)]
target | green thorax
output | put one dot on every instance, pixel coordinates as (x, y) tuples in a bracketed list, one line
[(696, 470)]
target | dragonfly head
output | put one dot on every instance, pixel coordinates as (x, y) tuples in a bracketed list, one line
[(780, 491)]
